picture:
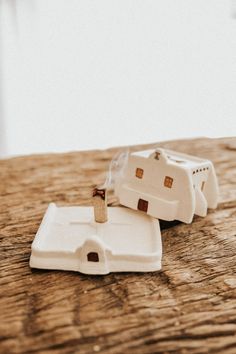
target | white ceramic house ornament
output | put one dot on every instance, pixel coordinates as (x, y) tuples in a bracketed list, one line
[(168, 185), (97, 240)]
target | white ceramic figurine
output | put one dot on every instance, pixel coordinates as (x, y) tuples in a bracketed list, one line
[(161, 184), (168, 185), (117, 240)]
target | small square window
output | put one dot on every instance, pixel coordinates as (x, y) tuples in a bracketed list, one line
[(139, 172), (143, 205), (168, 182)]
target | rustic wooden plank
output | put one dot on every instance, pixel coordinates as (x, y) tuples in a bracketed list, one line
[(188, 307)]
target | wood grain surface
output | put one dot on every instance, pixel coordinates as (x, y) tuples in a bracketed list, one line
[(188, 307)]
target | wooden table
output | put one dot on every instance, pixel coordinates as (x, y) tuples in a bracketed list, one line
[(188, 307)]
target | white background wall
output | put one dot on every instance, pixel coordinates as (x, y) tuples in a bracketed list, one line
[(91, 74)]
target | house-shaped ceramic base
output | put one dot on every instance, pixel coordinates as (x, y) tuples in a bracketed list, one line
[(70, 239)]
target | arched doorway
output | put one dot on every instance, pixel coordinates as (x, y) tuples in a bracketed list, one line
[(92, 257)]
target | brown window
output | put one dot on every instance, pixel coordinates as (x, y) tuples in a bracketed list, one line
[(92, 257), (168, 182), (139, 172), (143, 205)]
